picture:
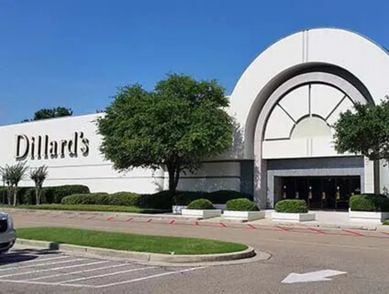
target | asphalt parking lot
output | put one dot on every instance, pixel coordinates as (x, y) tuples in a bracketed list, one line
[(304, 260), (59, 270)]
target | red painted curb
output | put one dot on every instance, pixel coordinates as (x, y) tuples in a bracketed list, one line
[(354, 233)]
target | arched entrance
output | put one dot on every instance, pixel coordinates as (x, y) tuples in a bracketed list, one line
[(293, 141), (285, 104)]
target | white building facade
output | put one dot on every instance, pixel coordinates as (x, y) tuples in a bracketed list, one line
[(285, 104)]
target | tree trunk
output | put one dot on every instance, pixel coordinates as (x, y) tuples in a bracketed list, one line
[(174, 175), (37, 195), (15, 194), (9, 195)]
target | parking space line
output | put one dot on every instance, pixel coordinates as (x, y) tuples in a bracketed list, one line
[(106, 275), (149, 277), (42, 264), (53, 269), (79, 272), (45, 283)]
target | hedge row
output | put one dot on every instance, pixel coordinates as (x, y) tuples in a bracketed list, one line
[(160, 200), (369, 202), (26, 195)]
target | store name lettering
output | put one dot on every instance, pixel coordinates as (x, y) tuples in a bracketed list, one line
[(42, 147)]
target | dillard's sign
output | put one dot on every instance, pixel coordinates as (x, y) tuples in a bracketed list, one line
[(41, 147)]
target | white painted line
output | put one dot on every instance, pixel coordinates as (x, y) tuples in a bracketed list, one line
[(53, 269), (35, 260), (106, 275), (149, 277), (42, 264), (78, 272), (46, 283)]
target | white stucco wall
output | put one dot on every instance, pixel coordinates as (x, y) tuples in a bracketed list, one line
[(351, 51), (91, 170)]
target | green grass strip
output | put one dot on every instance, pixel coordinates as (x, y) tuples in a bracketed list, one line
[(88, 207), (131, 242)]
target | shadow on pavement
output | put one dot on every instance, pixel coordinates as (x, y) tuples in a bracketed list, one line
[(21, 255)]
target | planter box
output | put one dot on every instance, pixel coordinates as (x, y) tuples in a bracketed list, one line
[(243, 215), (176, 209), (201, 213), (371, 217), (220, 206), (292, 217)]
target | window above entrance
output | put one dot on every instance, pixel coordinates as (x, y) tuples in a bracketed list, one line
[(300, 123), (306, 112), (310, 127)]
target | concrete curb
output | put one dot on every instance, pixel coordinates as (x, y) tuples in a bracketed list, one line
[(140, 256), (96, 213), (329, 226)]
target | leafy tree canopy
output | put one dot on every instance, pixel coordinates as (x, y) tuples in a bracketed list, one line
[(46, 113), (364, 131), (175, 126)]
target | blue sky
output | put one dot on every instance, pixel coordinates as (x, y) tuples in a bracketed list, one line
[(75, 53)]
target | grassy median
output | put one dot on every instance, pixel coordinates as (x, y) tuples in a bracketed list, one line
[(131, 242), (88, 207)]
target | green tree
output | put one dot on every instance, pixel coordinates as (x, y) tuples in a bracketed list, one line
[(38, 175), (365, 130), (12, 175), (46, 113), (175, 126)]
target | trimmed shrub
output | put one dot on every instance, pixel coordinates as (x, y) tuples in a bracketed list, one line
[(91, 198), (201, 204), (186, 197), (223, 196), (241, 204), (291, 206), (55, 194), (3, 195), (219, 197), (159, 200), (124, 198), (26, 195), (386, 222), (369, 202)]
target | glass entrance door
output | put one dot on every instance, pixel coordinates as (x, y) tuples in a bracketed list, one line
[(321, 192)]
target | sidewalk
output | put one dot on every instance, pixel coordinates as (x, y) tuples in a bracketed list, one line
[(324, 219)]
